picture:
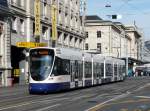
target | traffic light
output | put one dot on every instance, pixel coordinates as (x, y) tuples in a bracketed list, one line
[(116, 16)]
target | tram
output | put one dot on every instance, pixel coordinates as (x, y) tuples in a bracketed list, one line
[(57, 69)]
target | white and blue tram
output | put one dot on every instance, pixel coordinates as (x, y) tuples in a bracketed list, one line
[(56, 69)]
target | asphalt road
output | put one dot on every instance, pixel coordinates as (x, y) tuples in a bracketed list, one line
[(131, 95)]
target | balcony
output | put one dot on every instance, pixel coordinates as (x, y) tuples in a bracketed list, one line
[(18, 5)]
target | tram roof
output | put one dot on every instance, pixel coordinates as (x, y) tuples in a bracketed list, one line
[(76, 54)]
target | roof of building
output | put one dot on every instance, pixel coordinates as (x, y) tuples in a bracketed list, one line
[(93, 17), (147, 44), (133, 29)]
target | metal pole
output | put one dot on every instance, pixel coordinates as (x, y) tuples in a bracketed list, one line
[(92, 70), (126, 57)]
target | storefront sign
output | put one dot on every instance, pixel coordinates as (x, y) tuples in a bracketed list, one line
[(30, 44), (54, 22), (37, 15)]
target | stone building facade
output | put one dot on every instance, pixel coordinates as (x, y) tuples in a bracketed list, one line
[(105, 36), (69, 30), (112, 38), (136, 42), (5, 61)]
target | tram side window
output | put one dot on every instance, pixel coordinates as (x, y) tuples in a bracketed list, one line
[(109, 70), (61, 67), (102, 69), (72, 70), (57, 67), (76, 70), (124, 69), (98, 70), (115, 69), (65, 67), (88, 69), (95, 70), (120, 70), (80, 70)]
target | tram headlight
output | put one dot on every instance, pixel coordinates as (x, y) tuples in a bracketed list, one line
[(51, 78)]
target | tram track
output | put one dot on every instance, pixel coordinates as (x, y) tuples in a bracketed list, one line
[(92, 95)]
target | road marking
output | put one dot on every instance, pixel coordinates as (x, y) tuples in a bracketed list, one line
[(102, 104), (101, 95), (117, 103), (142, 87), (31, 102), (5, 94), (145, 97), (14, 99), (88, 96), (38, 99), (79, 97), (49, 107), (124, 109)]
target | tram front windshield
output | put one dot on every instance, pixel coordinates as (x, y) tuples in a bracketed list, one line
[(41, 61)]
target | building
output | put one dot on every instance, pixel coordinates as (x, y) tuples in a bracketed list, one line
[(69, 29), (114, 39), (5, 61), (106, 37), (136, 42), (146, 52)]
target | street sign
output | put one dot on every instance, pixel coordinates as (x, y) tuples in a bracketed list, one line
[(30, 44), (37, 15), (54, 22)]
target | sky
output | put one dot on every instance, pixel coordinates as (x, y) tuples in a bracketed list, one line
[(132, 11)]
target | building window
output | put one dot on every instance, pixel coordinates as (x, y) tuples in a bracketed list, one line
[(86, 46), (13, 1), (22, 26), (1, 45), (98, 34), (76, 2), (99, 47), (86, 34), (14, 24), (44, 8), (22, 3), (45, 32), (19, 3), (59, 11)]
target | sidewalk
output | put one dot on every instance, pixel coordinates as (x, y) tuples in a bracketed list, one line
[(13, 88)]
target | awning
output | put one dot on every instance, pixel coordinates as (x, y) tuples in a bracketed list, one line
[(133, 60)]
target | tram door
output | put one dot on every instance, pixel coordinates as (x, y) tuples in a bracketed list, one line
[(72, 73), (0, 78)]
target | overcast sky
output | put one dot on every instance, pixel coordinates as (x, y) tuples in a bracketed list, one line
[(130, 10)]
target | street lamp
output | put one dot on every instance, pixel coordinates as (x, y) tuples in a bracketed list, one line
[(126, 57)]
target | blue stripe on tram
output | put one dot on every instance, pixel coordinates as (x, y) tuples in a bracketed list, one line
[(48, 87)]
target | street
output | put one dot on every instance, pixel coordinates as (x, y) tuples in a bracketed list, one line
[(130, 95)]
